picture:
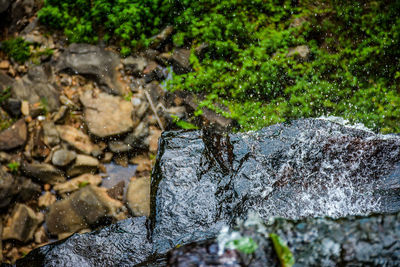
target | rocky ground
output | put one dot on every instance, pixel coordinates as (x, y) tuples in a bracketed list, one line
[(71, 118)]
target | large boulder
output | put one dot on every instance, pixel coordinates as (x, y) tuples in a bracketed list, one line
[(307, 168), (93, 61), (310, 168)]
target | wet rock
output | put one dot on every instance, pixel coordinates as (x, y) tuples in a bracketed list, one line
[(95, 62), (117, 191), (211, 119), (78, 182), (83, 164), (77, 139), (4, 157), (122, 244), (63, 157), (22, 224), (28, 189), (153, 71), (46, 200), (137, 137), (306, 168), (134, 65), (8, 188), (51, 136), (37, 87), (313, 242), (302, 51), (25, 108), (13, 107), (138, 196), (43, 172), (83, 208), (303, 169), (107, 115), (13, 137), (180, 60), (119, 147)]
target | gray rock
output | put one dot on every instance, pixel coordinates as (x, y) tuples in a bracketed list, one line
[(5, 81), (63, 157), (107, 115), (180, 61), (13, 137), (95, 62), (37, 86), (122, 244), (136, 139), (134, 65), (307, 168), (22, 224), (82, 209), (83, 164), (313, 242), (44, 173), (8, 188), (51, 136)]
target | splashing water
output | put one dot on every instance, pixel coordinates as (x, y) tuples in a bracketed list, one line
[(332, 171)]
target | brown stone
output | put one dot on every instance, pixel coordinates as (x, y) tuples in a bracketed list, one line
[(138, 196), (78, 182), (4, 64), (107, 115), (13, 137), (77, 139), (83, 208), (22, 224), (46, 200)]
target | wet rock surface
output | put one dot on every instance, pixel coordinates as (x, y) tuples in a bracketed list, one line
[(14, 136), (306, 168), (203, 181), (93, 61)]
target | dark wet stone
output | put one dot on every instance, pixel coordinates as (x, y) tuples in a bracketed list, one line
[(44, 173), (372, 241), (305, 169), (122, 244), (308, 168), (13, 107)]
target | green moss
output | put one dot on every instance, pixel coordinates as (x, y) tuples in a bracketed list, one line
[(17, 49), (352, 69)]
